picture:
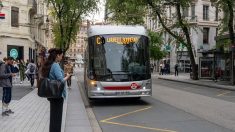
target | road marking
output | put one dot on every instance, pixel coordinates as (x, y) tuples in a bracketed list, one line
[(137, 126), (130, 125), (224, 93), (111, 118)]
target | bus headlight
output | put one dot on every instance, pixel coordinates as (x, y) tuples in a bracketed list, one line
[(93, 83)]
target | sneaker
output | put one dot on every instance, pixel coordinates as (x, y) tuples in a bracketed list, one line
[(5, 113), (21, 82), (9, 111)]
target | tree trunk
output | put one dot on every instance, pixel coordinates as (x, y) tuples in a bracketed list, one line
[(188, 44), (231, 36)]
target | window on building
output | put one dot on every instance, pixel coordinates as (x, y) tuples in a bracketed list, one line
[(14, 16), (216, 14), (185, 12), (205, 12), (206, 35), (193, 11)]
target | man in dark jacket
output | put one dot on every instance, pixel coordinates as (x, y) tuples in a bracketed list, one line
[(6, 82)]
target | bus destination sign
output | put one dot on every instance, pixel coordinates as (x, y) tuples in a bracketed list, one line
[(118, 40)]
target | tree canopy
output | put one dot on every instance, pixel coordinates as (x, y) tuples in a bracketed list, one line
[(67, 18), (127, 12)]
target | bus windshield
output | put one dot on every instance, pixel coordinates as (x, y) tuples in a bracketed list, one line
[(119, 57)]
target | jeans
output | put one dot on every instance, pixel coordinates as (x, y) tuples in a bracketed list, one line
[(6, 98), (31, 77)]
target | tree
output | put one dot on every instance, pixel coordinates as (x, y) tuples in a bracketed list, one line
[(227, 6), (155, 45), (67, 17), (227, 24), (159, 9), (126, 12)]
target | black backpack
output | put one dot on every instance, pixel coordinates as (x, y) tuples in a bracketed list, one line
[(31, 68)]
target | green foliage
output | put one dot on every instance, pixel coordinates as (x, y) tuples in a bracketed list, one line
[(155, 45), (224, 6), (67, 18), (127, 12)]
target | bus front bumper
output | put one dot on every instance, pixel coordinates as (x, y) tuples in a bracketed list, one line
[(119, 93)]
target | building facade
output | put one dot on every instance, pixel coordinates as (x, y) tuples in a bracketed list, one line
[(204, 17), (23, 31), (77, 49)]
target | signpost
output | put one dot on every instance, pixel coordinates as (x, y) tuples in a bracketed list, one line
[(14, 53)]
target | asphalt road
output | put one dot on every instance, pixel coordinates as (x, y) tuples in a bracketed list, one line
[(154, 113)]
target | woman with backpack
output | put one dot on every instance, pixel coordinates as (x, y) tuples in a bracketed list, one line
[(31, 71)]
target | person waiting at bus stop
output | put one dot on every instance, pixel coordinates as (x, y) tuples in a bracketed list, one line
[(52, 69)]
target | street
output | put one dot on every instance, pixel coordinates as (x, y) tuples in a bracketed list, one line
[(163, 111)]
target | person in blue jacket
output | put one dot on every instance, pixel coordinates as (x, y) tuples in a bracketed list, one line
[(52, 69)]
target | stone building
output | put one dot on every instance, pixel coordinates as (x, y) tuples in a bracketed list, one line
[(23, 31)]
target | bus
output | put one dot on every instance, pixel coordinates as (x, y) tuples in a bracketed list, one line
[(117, 62)]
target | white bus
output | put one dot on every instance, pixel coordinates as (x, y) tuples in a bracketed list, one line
[(117, 62)]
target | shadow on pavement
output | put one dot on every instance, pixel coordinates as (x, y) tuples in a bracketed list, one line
[(119, 102)]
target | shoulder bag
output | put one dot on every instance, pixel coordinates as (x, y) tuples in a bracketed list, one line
[(48, 88)]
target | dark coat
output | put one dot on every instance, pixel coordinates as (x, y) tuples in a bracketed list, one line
[(5, 77)]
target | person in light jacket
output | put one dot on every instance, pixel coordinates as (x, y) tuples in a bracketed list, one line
[(52, 69), (31, 71), (6, 83)]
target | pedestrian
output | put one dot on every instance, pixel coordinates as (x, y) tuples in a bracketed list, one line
[(6, 83), (155, 66), (68, 69), (22, 68), (176, 69), (15, 69), (31, 71), (52, 69), (160, 69), (151, 67)]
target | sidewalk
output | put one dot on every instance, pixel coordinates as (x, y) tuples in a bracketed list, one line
[(32, 114), (185, 78)]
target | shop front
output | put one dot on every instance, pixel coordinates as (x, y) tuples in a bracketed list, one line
[(206, 67), (183, 61)]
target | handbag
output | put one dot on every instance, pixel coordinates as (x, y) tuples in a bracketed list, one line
[(48, 88)]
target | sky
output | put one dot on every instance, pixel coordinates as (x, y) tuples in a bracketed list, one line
[(100, 14)]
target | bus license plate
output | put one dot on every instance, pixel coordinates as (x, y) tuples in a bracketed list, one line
[(123, 93)]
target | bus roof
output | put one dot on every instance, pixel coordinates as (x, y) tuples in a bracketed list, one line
[(120, 29)]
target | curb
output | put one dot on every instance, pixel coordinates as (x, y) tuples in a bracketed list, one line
[(198, 84), (64, 112)]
